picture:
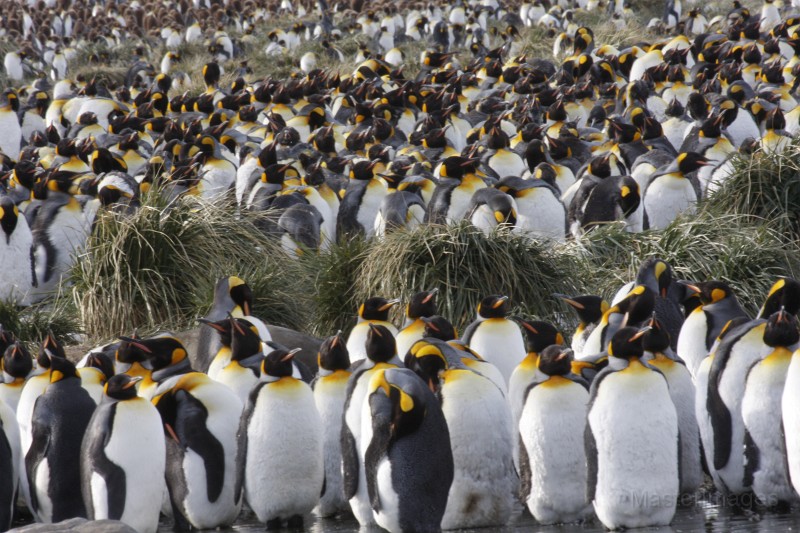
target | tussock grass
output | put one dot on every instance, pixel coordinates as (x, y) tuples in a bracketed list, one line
[(31, 324), (465, 265), (744, 252), (765, 186), (156, 269)]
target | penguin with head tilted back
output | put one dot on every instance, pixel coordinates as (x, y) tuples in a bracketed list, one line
[(293, 458), (496, 337), (408, 462), (381, 354), (330, 394), (200, 420), (630, 410), (123, 458), (656, 343), (765, 446), (590, 310), (249, 326), (551, 429), (657, 275), (632, 310), (52, 463), (421, 305), (231, 295), (374, 311), (484, 492)]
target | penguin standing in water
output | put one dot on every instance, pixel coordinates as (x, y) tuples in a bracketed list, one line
[(483, 493), (16, 254), (231, 295), (200, 418), (590, 310), (52, 463), (408, 462), (705, 323), (422, 305), (495, 337), (123, 458), (659, 354), (330, 394), (282, 471), (630, 410), (552, 425), (743, 347), (374, 311), (765, 446), (381, 354)]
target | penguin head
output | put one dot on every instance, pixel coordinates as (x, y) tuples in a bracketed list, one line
[(9, 215), (278, 363), (238, 291), (380, 345), (422, 304), (438, 327), (121, 387), (556, 360), (494, 306), (456, 166), (102, 362), (427, 360), (781, 329), (399, 392), (17, 361), (711, 292), (161, 351), (211, 74), (62, 368), (656, 337), (221, 327), (784, 293), (656, 274), (11, 100), (589, 308), (245, 339), (539, 334), (50, 349), (376, 308), (627, 343), (333, 354), (691, 161)]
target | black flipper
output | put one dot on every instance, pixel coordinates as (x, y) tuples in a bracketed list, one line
[(96, 462)]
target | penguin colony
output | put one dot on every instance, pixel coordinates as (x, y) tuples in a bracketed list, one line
[(443, 436), (548, 148)]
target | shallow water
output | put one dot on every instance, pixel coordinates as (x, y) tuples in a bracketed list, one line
[(704, 515)]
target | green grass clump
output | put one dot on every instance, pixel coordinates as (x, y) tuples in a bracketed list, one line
[(746, 253), (765, 185), (466, 265), (156, 269), (31, 324)]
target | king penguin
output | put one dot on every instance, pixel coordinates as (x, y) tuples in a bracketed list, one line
[(659, 354), (231, 295), (496, 337), (630, 410), (551, 432), (409, 465), (123, 458), (590, 310), (381, 354), (16, 254), (790, 416), (765, 446), (17, 366), (330, 394), (485, 484), (52, 463), (10, 461), (292, 460), (422, 305), (374, 310)]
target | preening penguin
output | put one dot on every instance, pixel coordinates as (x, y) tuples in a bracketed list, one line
[(495, 337), (330, 394), (630, 410), (231, 295), (590, 310), (52, 463), (123, 458), (479, 421), (374, 310), (408, 462), (551, 430), (293, 459)]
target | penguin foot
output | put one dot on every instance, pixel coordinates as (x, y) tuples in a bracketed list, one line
[(295, 522), (274, 524)]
